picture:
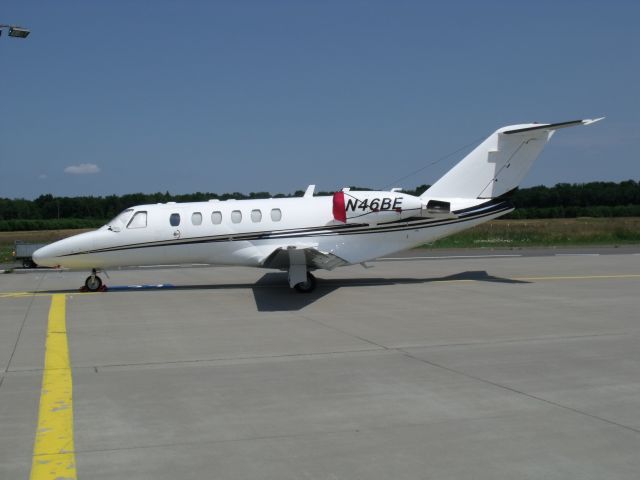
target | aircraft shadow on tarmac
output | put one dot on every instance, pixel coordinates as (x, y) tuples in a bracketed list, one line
[(271, 292), (278, 299)]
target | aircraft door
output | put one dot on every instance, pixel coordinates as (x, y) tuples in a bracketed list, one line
[(174, 221)]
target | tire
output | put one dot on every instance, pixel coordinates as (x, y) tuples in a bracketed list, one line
[(93, 283), (308, 286)]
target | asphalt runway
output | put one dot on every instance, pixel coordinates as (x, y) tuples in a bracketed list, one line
[(492, 367)]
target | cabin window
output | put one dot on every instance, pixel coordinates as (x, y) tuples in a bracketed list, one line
[(276, 214), (196, 218), (139, 220), (174, 219), (256, 216), (216, 218), (236, 216)]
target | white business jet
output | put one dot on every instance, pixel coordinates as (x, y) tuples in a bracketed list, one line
[(300, 235)]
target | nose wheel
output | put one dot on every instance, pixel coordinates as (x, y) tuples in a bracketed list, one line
[(93, 283)]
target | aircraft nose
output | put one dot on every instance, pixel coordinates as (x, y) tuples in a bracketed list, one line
[(45, 256), (66, 252)]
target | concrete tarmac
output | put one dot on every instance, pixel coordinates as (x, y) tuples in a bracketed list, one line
[(465, 368)]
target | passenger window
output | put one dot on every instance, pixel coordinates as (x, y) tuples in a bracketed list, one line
[(276, 215), (174, 219), (196, 218), (236, 216), (256, 216), (216, 218), (139, 220)]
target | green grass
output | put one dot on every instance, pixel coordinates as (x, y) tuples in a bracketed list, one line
[(6, 253), (546, 232)]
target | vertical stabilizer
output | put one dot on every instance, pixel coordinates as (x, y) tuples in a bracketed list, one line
[(498, 164)]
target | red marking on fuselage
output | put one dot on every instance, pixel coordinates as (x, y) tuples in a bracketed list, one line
[(339, 210)]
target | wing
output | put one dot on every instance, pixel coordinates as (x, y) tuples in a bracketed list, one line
[(283, 257)]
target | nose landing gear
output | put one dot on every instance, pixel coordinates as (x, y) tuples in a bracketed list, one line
[(93, 283)]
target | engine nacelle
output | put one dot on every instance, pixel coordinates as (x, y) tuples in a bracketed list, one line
[(375, 207)]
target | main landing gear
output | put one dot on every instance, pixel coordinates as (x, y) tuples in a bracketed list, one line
[(308, 285), (93, 283), (299, 276)]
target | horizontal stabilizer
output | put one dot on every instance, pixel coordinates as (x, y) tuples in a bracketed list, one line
[(553, 126)]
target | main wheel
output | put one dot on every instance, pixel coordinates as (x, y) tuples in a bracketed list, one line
[(93, 283), (308, 286)]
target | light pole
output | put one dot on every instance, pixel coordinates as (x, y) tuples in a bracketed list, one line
[(15, 31)]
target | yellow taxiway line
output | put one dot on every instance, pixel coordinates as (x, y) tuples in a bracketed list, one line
[(40, 294), (53, 451), (580, 277)]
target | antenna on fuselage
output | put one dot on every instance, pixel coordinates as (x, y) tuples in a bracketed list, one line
[(309, 192)]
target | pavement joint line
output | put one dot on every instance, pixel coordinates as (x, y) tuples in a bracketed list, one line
[(363, 430), (582, 277), (520, 392), (512, 340), (444, 257), (400, 349), (358, 337), (53, 449), (239, 359), (211, 360), (24, 320), (43, 294)]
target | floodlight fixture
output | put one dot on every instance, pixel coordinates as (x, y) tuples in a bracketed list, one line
[(15, 31), (19, 32)]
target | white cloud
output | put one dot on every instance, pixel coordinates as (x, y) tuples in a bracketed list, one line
[(82, 169)]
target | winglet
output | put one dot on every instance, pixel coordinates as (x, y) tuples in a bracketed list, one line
[(589, 121)]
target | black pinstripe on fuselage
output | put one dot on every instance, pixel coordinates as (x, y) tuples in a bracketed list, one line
[(488, 208)]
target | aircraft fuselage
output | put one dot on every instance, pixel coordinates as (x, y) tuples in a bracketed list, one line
[(245, 232)]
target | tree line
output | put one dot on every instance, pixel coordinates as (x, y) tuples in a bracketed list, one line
[(595, 199)]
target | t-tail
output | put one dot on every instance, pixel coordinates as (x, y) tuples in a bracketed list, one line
[(498, 165)]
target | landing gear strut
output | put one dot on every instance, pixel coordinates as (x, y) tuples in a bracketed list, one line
[(299, 276), (308, 285), (93, 283)]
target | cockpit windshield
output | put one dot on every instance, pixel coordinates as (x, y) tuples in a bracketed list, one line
[(120, 221)]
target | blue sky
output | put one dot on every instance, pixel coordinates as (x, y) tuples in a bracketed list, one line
[(273, 95)]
